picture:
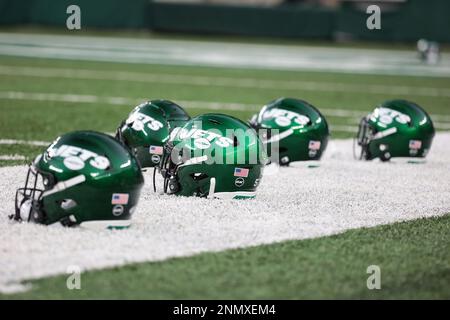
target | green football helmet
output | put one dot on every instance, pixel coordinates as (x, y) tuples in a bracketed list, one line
[(396, 128), (299, 129), (83, 178), (147, 129), (215, 156)]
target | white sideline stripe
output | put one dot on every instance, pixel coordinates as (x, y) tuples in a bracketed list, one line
[(343, 128), (334, 128), (345, 113), (25, 142), (291, 204), (221, 54), (39, 96), (12, 157), (221, 81)]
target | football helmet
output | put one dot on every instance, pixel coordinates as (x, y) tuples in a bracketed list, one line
[(147, 128), (300, 130), (396, 128), (215, 156), (83, 178)]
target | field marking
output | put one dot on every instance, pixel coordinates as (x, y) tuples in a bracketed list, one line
[(440, 121), (222, 54), (7, 157), (196, 80), (24, 142)]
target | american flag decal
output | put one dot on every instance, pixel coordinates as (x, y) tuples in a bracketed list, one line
[(415, 144), (119, 198), (156, 150), (241, 172), (314, 145)]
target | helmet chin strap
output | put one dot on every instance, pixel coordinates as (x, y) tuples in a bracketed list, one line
[(167, 169), (212, 188), (154, 179), (362, 139), (119, 135)]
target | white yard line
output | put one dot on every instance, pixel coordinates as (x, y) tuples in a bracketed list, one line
[(221, 54), (440, 121), (180, 79), (291, 203), (24, 142), (7, 157)]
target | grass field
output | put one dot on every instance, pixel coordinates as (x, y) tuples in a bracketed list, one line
[(51, 112), (43, 98)]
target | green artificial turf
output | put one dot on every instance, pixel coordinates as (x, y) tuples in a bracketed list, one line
[(32, 119)]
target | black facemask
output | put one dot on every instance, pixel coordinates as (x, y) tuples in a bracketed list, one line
[(28, 199), (168, 170), (363, 138)]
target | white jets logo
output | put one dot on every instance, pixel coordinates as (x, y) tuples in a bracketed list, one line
[(139, 120), (75, 157), (386, 116), (202, 138), (285, 118)]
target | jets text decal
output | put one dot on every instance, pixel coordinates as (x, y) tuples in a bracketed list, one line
[(202, 138), (285, 118), (386, 116), (75, 158)]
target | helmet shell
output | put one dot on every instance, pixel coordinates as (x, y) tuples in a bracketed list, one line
[(302, 130), (147, 128), (222, 147), (106, 168), (399, 128)]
